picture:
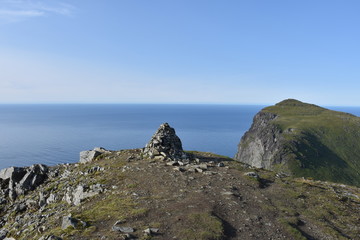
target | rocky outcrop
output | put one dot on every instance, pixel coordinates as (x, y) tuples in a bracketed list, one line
[(17, 181), (90, 155), (261, 145), (165, 145)]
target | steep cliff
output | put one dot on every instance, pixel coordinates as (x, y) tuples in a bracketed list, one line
[(304, 140)]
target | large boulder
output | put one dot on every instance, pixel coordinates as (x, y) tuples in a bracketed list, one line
[(165, 144), (91, 155), (20, 180)]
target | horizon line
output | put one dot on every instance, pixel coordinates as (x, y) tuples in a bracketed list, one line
[(153, 103)]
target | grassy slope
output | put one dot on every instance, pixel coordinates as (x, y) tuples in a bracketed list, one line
[(326, 143)]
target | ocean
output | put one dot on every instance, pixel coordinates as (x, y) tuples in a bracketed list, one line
[(53, 134)]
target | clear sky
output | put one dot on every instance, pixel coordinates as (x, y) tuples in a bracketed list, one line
[(180, 51)]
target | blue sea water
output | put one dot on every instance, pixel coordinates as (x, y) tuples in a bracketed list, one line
[(52, 134)]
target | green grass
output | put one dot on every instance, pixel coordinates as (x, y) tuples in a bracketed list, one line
[(202, 226), (325, 143), (112, 206)]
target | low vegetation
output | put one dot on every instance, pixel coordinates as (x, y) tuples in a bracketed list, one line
[(325, 143)]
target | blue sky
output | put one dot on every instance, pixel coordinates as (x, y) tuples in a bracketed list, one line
[(180, 51)]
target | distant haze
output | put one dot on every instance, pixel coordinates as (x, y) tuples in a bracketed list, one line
[(206, 51)]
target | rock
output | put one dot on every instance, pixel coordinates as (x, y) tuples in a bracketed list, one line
[(89, 156), (68, 221), (122, 229), (34, 176), (165, 143), (172, 163), (150, 231), (252, 174), (101, 150), (50, 237), (14, 173), (20, 207), (82, 192), (23, 179), (52, 198), (3, 233), (220, 164), (180, 169), (258, 146)]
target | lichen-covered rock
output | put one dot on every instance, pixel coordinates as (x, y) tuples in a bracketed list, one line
[(165, 144)]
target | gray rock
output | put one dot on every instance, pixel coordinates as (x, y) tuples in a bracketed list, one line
[(89, 156), (150, 231), (14, 173), (52, 198), (259, 147), (122, 229), (165, 143), (68, 221), (220, 164), (3, 233), (82, 192), (50, 237), (252, 174), (23, 179)]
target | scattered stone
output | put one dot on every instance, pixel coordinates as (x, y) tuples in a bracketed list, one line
[(220, 164), (68, 221), (82, 192), (3, 233), (203, 166), (50, 237), (159, 158), (172, 163), (180, 169), (252, 174), (151, 231), (52, 198), (227, 193), (122, 229)]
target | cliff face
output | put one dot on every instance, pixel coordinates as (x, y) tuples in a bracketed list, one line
[(304, 140), (260, 145)]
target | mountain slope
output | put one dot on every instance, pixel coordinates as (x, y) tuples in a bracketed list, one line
[(304, 140), (220, 202)]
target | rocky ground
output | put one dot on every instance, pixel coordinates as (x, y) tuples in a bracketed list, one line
[(173, 194)]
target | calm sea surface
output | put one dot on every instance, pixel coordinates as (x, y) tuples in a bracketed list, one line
[(53, 134)]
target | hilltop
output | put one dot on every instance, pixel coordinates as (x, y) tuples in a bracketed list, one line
[(304, 140), (164, 192)]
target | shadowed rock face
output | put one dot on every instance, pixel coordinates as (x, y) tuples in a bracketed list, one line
[(19, 180), (261, 143), (165, 144)]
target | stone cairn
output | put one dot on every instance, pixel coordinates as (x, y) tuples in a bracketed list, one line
[(165, 145)]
